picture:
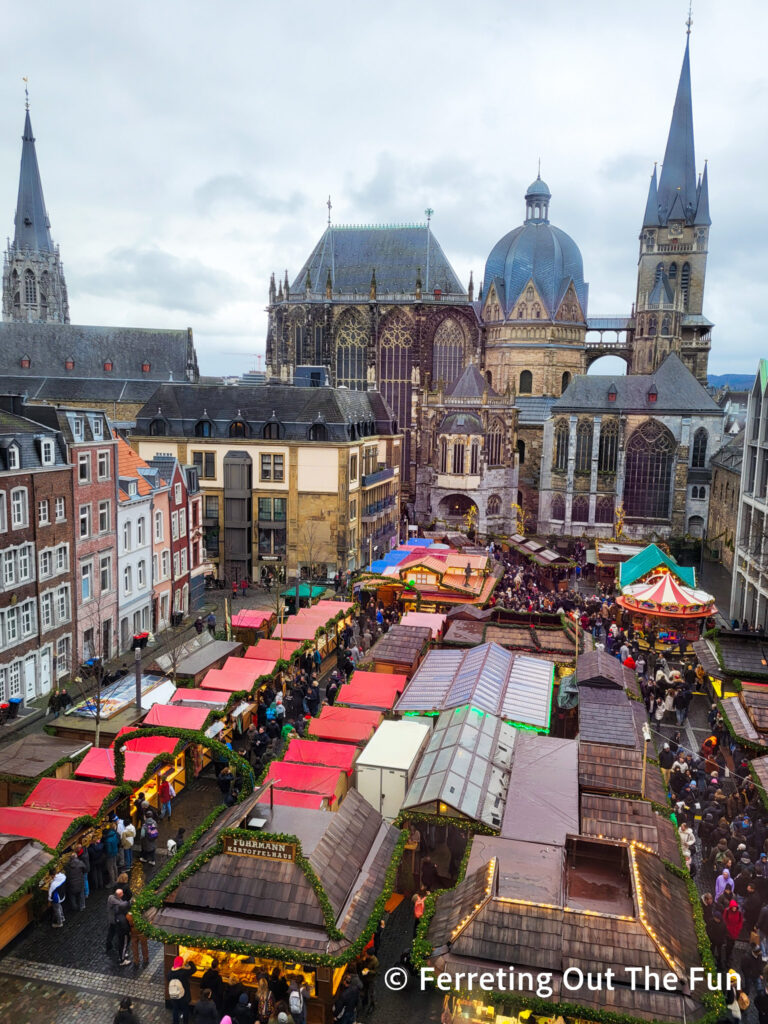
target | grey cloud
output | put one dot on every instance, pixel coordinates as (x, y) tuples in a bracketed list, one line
[(229, 189), (158, 278)]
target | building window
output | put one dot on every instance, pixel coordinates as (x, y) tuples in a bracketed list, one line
[(203, 428), (47, 453), (666, 325), (98, 429), (521, 452), (448, 351), (565, 381), (608, 447), (141, 571), (526, 382), (85, 521), (83, 468), (580, 509), (177, 494), (558, 507), (648, 478), (30, 288), (351, 356), (86, 581), (495, 447), (63, 656), (685, 284), (105, 573), (46, 611), (211, 506), (318, 432), (165, 560), (62, 558), (353, 468), (104, 517), (458, 457), (699, 451), (27, 619), (494, 505), (158, 428), (271, 432), (353, 509), (205, 463), (443, 455), (103, 465), (127, 580), (395, 367), (46, 564), (604, 510), (140, 532), (14, 457), (561, 447), (4, 513), (174, 525), (43, 512), (238, 429), (25, 563), (62, 604), (19, 511), (78, 428), (9, 569), (583, 447), (272, 467), (653, 326), (474, 458)]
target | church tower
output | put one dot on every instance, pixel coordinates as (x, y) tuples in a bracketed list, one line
[(674, 241), (34, 289)]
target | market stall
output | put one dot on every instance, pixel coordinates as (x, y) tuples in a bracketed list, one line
[(252, 624), (666, 608), (176, 716), (20, 860), (50, 809), (433, 620), (255, 898), (25, 761), (320, 780), (334, 755), (387, 764), (399, 651), (139, 753), (190, 669), (376, 691), (344, 725), (199, 697), (118, 708), (273, 649)]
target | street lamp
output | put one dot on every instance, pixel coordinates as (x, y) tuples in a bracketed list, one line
[(646, 741)]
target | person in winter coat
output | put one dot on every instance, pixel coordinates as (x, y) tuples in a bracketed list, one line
[(127, 840), (213, 980), (243, 1013), (97, 858), (149, 836), (733, 919), (76, 873), (688, 842), (125, 1015), (264, 1003), (165, 793), (717, 935), (111, 850), (205, 1011), (138, 941), (56, 898), (116, 904), (181, 973)]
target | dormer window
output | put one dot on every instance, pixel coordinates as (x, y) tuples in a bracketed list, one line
[(26, 362), (14, 456), (108, 366), (47, 452), (78, 428), (98, 428), (157, 428), (69, 363), (653, 394), (612, 393), (145, 367)]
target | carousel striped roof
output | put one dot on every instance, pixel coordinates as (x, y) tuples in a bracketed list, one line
[(663, 593)]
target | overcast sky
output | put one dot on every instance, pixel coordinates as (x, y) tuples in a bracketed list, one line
[(188, 149)]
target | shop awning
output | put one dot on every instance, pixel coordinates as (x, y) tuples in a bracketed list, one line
[(67, 795), (251, 618), (345, 725), (374, 690), (304, 778), (196, 695), (99, 763), (334, 755), (147, 744), (304, 591), (177, 717), (273, 649), (433, 620), (31, 823)]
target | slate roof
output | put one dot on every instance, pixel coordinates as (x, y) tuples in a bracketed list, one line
[(743, 654), (604, 768), (26, 434), (32, 227), (400, 645), (533, 411), (78, 389), (605, 716), (169, 353), (677, 190), (731, 455), (460, 423), (295, 410), (596, 668), (397, 253), (471, 384), (34, 754), (677, 388)]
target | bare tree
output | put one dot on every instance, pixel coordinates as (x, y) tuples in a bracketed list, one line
[(314, 546), (91, 677)]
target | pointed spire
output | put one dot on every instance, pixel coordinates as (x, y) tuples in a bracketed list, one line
[(329, 285), (678, 172), (418, 283), (471, 289), (372, 291), (32, 224), (651, 218), (286, 287), (272, 291), (702, 209)]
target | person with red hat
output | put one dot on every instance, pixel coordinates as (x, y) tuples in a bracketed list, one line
[(179, 991)]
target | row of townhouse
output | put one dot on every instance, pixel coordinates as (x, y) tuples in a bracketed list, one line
[(95, 544)]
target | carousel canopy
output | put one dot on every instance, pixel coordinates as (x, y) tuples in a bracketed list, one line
[(650, 558), (663, 595)]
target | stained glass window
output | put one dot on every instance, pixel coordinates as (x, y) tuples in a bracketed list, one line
[(494, 505), (648, 477), (561, 447), (604, 510), (699, 453), (583, 446), (351, 343), (580, 509), (494, 444), (558, 506), (448, 352), (526, 382), (609, 443)]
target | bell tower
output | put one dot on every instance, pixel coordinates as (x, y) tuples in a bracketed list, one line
[(34, 289), (674, 243)]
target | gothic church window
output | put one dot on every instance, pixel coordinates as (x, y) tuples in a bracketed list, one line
[(672, 271), (561, 447), (526, 382), (396, 355), (448, 352), (521, 451), (318, 345), (648, 478), (580, 509), (443, 455), (699, 451), (653, 326), (583, 447), (604, 510), (30, 288), (474, 458), (351, 342), (494, 444), (666, 325), (608, 447), (659, 272), (685, 284), (458, 457), (494, 505), (558, 507)]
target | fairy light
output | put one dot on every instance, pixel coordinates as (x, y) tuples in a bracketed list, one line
[(489, 876)]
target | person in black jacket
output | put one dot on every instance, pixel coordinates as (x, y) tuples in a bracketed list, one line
[(181, 972), (125, 1014), (205, 1011), (213, 981)]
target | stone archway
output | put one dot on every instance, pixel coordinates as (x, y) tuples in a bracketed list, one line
[(452, 509)]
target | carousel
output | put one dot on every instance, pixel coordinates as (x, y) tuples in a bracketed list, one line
[(668, 608)]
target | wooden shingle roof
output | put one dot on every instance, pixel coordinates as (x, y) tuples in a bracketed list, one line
[(607, 769), (620, 818)]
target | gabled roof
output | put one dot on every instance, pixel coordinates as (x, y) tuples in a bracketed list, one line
[(129, 466), (650, 558), (471, 384)]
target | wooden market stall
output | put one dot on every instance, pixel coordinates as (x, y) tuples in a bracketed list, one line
[(253, 896), (25, 761), (344, 725), (320, 780), (334, 755), (250, 625), (376, 691), (400, 651), (52, 806), (191, 670), (175, 716), (139, 753), (20, 860), (319, 625), (273, 649), (434, 620)]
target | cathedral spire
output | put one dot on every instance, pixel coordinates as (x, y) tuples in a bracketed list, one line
[(32, 225), (677, 184), (651, 218), (702, 207)]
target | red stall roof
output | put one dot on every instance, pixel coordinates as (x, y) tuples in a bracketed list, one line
[(68, 796), (218, 679), (99, 763), (48, 828), (334, 755), (373, 690), (272, 650), (251, 618), (147, 744), (198, 695), (246, 669), (346, 725), (284, 798), (304, 778), (176, 717), (434, 620)]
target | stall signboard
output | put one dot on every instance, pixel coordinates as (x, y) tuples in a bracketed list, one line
[(268, 849)]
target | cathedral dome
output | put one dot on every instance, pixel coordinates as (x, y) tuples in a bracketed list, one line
[(540, 252)]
